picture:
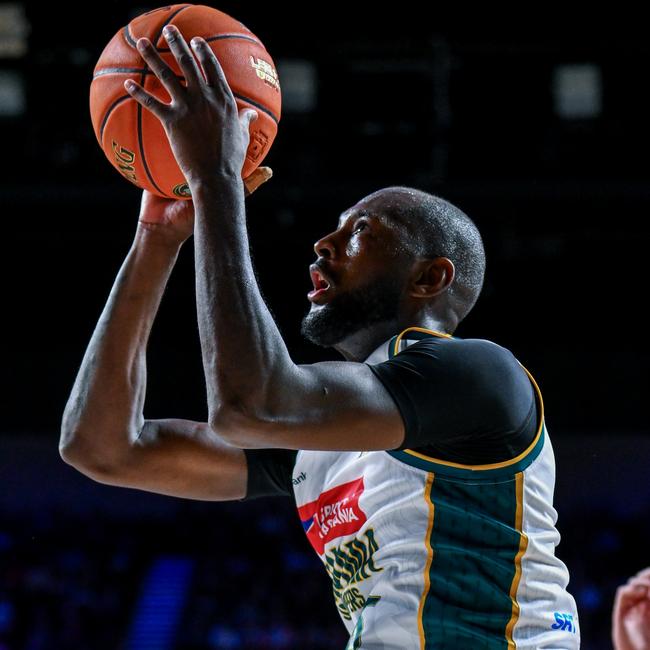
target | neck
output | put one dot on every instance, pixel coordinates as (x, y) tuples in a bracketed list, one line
[(358, 346)]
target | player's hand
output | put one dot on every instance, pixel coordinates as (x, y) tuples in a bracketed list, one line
[(207, 133), (173, 220), (631, 614), (257, 177), (169, 220)]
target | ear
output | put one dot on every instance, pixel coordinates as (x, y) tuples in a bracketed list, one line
[(431, 277)]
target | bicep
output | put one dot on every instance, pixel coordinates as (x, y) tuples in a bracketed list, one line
[(181, 458), (324, 406)]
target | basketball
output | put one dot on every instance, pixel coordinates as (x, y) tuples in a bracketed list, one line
[(132, 138)]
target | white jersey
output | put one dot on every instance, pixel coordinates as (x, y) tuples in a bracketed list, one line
[(425, 553)]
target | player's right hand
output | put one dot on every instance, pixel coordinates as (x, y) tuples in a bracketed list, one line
[(170, 220), (173, 220)]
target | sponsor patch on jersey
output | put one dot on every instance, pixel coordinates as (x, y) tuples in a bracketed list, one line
[(564, 622), (335, 513)]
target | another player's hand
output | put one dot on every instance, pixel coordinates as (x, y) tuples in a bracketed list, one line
[(631, 614), (207, 133)]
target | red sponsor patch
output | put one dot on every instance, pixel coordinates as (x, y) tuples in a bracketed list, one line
[(334, 514)]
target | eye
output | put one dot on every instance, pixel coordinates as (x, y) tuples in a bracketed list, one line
[(359, 226)]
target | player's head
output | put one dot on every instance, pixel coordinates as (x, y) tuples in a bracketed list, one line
[(398, 256)]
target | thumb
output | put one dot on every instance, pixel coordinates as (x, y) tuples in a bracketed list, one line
[(256, 178), (249, 116)]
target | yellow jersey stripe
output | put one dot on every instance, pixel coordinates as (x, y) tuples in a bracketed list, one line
[(427, 567)]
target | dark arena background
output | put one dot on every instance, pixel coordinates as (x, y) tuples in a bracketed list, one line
[(541, 136)]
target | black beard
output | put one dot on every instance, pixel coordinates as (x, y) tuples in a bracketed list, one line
[(353, 311)]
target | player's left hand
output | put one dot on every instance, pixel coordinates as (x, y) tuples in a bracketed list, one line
[(208, 134)]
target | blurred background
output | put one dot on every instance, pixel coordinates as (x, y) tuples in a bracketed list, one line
[(540, 135)]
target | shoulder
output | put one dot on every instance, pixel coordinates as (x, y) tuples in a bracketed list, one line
[(460, 373), (465, 354)]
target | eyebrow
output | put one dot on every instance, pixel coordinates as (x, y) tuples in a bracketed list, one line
[(359, 214)]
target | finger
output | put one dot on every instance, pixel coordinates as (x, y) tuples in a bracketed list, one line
[(628, 596), (182, 54), (645, 573), (639, 582), (166, 75), (248, 116), (147, 100), (257, 177), (214, 74)]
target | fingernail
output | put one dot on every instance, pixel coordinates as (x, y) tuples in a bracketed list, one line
[(195, 42), (168, 30), (142, 44), (129, 84)]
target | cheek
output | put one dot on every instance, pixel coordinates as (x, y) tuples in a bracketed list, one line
[(353, 248)]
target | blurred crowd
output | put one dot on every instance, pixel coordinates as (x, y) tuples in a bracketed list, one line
[(72, 583)]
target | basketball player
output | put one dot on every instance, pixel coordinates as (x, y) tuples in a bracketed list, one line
[(421, 466)]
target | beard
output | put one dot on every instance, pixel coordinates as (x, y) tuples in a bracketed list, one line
[(350, 312)]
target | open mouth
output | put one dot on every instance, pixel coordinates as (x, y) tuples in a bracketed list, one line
[(320, 282)]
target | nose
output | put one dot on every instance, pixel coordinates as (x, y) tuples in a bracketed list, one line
[(324, 247)]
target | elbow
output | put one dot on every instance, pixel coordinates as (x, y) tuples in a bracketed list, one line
[(70, 448), (85, 458), (73, 447), (76, 454)]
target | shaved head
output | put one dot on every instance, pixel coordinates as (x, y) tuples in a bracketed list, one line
[(434, 227)]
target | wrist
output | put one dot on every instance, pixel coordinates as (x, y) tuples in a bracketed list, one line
[(215, 185), (153, 237)]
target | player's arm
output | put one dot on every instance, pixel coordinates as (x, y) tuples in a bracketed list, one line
[(103, 433), (257, 396)]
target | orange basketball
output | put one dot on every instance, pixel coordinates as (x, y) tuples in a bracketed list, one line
[(132, 138)]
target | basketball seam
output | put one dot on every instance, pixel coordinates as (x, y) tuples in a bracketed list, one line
[(100, 73), (254, 103), (139, 120), (128, 38), (119, 100), (220, 37), (132, 42)]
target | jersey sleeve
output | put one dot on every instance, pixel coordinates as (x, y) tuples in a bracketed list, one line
[(269, 472), (461, 400)]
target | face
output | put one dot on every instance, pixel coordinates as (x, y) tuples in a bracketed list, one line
[(359, 275)]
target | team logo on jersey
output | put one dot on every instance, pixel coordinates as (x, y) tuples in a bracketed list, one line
[(334, 514), (349, 564)]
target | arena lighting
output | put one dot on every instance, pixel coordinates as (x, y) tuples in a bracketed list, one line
[(298, 81), (12, 93), (577, 91), (14, 30)]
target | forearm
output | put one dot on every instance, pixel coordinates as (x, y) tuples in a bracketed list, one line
[(243, 351), (104, 411)]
